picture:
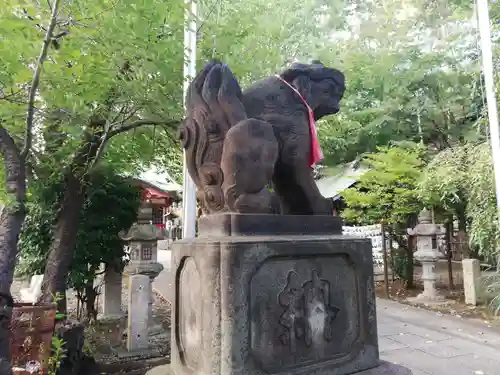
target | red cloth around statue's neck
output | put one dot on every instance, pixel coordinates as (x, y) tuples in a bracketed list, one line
[(316, 153)]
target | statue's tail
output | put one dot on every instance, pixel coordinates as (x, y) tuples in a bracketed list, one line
[(213, 106)]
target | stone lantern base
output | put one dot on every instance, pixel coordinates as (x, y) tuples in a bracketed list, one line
[(424, 300)]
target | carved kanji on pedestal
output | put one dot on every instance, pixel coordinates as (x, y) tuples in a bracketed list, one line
[(308, 312)]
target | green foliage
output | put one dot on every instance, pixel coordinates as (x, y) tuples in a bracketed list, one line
[(489, 291), (444, 179), (256, 45), (95, 70), (460, 180), (111, 207), (121, 61), (57, 356), (388, 191), (484, 229), (399, 264), (411, 69)]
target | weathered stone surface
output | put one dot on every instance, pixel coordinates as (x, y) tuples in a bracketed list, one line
[(142, 243), (112, 294), (137, 325), (472, 273), (143, 232), (75, 362), (273, 304), (247, 225), (72, 334), (113, 327), (385, 368)]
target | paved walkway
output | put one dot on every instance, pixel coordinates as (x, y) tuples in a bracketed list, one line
[(163, 282), (427, 342), (430, 343)]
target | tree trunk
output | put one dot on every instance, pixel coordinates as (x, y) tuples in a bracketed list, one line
[(68, 222), (409, 265), (462, 238), (91, 296), (11, 220), (449, 253), (61, 250)]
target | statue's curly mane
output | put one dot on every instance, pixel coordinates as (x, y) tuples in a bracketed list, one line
[(213, 105)]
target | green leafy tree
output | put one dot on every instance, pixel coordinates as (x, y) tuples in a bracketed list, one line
[(102, 95), (482, 212), (388, 194), (388, 191), (246, 36), (411, 69), (444, 185), (111, 206), (459, 180)]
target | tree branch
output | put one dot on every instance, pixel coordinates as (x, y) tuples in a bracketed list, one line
[(36, 80), (110, 132), (100, 149), (8, 147), (14, 167), (139, 123)]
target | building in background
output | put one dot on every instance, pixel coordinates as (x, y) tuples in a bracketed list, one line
[(161, 192), (331, 187)]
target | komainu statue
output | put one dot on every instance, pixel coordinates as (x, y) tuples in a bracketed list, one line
[(253, 151)]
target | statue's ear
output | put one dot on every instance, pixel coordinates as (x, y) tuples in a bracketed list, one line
[(303, 84), (294, 71), (299, 75)]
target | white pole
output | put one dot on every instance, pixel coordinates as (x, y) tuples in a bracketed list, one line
[(189, 188), (484, 31)]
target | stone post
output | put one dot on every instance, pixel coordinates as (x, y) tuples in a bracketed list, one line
[(428, 255), (112, 317), (142, 245), (112, 294), (137, 325), (472, 273)]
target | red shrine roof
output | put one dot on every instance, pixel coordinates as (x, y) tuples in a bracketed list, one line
[(158, 186), (150, 192)]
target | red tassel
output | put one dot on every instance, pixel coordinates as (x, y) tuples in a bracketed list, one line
[(316, 153)]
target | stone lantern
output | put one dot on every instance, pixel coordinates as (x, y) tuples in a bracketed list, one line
[(428, 255), (142, 246)]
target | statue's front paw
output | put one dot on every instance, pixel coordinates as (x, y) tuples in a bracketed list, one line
[(262, 202)]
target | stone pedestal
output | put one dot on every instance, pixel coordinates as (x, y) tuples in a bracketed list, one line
[(112, 295), (472, 273), (428, 255), (113, 326), (112, 318), (384, 368), (259, 294)]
